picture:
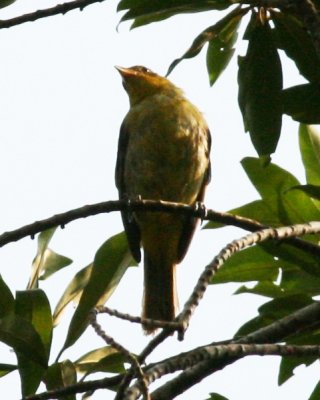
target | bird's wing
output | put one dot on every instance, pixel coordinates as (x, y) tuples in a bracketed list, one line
[(129, 223), (191, 223)]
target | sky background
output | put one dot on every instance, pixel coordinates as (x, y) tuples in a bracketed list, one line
[(61, 107)]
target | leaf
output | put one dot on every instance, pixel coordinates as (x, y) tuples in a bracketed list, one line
[(52, 263), (19, 334), (264, 288), (72, 292), (220, 49), (33, 306), (46, 261), (61, 375), (311, 190), (144, 11), (252, 264), (309, 140), (223, 28), (5, 369), (288, 364), (273, 184), (110, 263), (315, 395), (104, 359), (302, 103), (274, 310), (216, 396), (260, 84), (257, 210), (294, 39), (6, 3), (6, 299)]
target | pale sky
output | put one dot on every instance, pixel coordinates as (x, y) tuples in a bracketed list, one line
[(61, 107)]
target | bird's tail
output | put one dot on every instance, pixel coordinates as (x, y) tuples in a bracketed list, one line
[(160, 296)]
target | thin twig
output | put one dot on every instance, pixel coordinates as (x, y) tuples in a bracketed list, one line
[(228, 251)]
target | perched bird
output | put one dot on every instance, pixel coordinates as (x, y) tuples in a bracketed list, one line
[(163, 154)]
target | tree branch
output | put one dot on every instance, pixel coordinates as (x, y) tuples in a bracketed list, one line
[(296, 322), (48, 12), (145, 205)]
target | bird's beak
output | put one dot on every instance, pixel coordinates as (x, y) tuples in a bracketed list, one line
[(124, 72)]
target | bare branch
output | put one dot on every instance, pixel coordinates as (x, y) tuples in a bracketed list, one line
[(228, 251), (48, 12), (146, 205)]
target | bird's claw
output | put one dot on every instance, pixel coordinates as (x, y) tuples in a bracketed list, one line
[(201, 209)]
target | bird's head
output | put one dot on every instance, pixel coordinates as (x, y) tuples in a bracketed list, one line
[(140, 82)]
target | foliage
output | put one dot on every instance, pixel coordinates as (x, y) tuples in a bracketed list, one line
[(287, 276)]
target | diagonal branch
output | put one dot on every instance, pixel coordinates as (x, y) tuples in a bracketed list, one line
[(48, 12)]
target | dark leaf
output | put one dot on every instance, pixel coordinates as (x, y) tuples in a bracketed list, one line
[(260, 84), (6, 299), (216, 396), (226, 27), (33, 306), (315, 395), (5, 369), (302, 103), (19, 334), (144, 11), (220, 49), (264, 288), (294, 39), (252, 264)]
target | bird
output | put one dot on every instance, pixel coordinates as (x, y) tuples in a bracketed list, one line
[(163, 154)]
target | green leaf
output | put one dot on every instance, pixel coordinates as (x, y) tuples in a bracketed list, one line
[(6, 299), (315, 395), (273, 184), (274, 310), (6, 3), (61, 375), (19, 334), (216, 396), (311, 190), (220, 49), (33, 306), (288, 364), (309, 140), (212, 34), (72, 292), (257, 210), (302, 103), (294, 39), (260, 84), (104, 359), (297, 279), (265, 288), (46, 261), (252, 264), (110, 263), (144, 11), (5, 369)]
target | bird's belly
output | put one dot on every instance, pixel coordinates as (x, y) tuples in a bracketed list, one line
[(167, 167)]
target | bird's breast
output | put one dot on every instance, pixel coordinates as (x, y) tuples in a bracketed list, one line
[(167, 152)]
